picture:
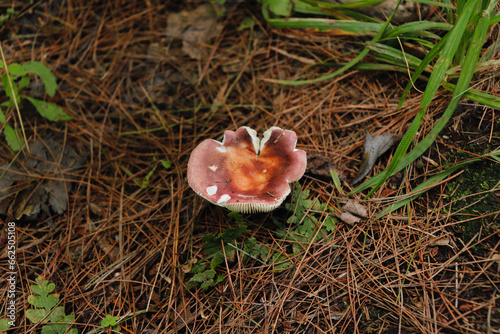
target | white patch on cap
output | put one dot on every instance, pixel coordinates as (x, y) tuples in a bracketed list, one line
[(213, 168), (255, 139), (221, 149), (224, 198), (212, 190)]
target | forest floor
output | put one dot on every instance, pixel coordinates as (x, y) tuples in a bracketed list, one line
[(134, 243)]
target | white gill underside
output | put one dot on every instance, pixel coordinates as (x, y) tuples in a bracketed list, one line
[(251, 207)]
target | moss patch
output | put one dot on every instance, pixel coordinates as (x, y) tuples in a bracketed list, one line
[(475, 197)]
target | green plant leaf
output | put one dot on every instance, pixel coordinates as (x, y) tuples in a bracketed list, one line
[(4, 324), (55, 319), (166, 163), (145, 182), (109, 321), (206, 279), (10, 90), (55, 328), (219, 258), (36, 315), (48, 79), (13, 138), (247, 23), (2, 117), (9, 13), (44, 300), (278, 7), (17, 70), (49, 110), (25, 81)]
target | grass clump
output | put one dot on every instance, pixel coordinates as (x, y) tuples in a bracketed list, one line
[(453, 52)]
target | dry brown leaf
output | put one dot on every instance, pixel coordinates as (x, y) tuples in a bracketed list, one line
[(440, 242), (195, 28), (355, 208), (38, 181), (320, 165), (188, 265), (374, 148), (349, 218)]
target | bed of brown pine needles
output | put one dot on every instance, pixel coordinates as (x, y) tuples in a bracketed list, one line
[(120, 248)]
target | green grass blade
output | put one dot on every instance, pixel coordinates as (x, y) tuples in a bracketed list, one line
[(372, 67), (393, 56), (422, 188), (352, 4), (347, 66), (423, 65), (431, 182), (350, 27), (417, 28), (436, 3), (495, 19), (477, 96)]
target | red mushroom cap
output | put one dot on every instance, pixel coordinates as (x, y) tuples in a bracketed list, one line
[(244, 173)]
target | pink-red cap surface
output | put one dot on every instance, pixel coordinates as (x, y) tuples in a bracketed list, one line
[(245, 173)]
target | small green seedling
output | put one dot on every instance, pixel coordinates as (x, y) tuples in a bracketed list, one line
[(4, 325), (110, 321), (54, 318), (217, 247), (14, 78), (165, 163), (302, 227), (9, 14)]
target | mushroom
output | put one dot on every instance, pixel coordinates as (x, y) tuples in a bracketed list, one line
[(244, 173)]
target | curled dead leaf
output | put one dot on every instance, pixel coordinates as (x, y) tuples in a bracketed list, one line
[(186, 267), (440, 242), (349, 218), (356, 209), (374, 148), (353, 212)]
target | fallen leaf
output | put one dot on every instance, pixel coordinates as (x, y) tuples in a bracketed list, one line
[(353, 212), (38, 181), (196, 28), (374, 148), (356, 209), (320, 165), (440, 242), (349, 218), (186, 267), (496, 257)]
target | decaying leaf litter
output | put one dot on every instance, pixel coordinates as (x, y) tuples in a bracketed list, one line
[(137, 98)]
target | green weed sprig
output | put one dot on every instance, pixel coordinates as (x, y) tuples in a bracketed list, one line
[(54, 318), (14, 79)]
